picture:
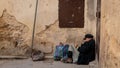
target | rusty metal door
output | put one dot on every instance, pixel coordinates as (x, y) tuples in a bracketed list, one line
[(71, 13)]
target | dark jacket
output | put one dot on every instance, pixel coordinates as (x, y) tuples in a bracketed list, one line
[(87, 52)]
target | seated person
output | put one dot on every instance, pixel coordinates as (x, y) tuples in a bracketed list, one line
[(59, 51), (87, 50)]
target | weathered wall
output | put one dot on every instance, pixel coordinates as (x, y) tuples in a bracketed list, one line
[(47, 28), (110, 31), (16, 24), (47, 31), (12, 35)]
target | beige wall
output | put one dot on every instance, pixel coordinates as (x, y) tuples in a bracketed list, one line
[(18, 14), (23, 10), (46, 38), (110, 31), (48, 16)]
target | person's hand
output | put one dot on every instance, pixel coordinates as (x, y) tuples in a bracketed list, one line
[(76, 45), (87, 39)]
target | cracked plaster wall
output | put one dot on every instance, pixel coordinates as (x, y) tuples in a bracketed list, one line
[(16, 14), (47, 26), (47, 32), (12, 35)]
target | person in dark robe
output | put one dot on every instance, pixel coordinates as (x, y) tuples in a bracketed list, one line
[(86, 50)]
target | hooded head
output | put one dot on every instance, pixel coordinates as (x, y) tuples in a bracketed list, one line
[(88, 36)]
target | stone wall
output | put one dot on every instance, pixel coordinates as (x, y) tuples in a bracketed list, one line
[(110, 31), (47, 31)]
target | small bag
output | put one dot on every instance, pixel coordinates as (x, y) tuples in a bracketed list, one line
[(37, 55)]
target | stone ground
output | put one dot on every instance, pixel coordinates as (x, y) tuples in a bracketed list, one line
[(28, 63)]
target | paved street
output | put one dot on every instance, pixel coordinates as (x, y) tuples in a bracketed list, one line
[(28, 63)]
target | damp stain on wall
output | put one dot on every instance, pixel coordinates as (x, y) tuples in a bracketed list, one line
[(12, 35)]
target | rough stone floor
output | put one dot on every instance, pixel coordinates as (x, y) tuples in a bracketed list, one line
[(28, 63)]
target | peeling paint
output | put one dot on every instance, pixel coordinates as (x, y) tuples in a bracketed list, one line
[(12, 35)]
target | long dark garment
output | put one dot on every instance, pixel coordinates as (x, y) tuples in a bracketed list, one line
[(87, 52)]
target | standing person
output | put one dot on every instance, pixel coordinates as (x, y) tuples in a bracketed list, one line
[(58, 51), (87, 50)]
